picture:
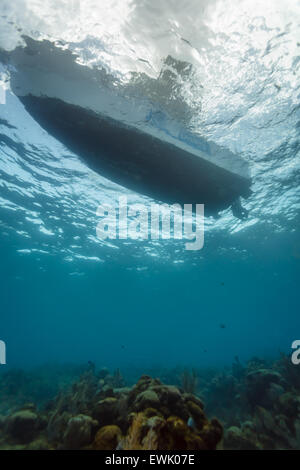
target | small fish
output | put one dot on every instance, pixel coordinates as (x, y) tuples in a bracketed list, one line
[(222, 325), (191, 423)]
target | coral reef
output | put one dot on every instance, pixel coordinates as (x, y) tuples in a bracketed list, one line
[(39, 386), (79, 432), (160, 419), (258, 404), (92, 414), (107, 438), (189, 380)]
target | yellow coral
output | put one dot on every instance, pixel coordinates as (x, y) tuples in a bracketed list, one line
[(107, 438), (133, 439), (142, 434)]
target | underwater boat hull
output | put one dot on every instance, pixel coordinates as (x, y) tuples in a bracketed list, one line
[(79, 106), (137, 160)]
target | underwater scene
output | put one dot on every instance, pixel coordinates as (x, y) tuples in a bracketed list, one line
[(149, 225)]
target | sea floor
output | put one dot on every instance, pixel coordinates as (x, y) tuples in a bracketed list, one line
[(245, 406)]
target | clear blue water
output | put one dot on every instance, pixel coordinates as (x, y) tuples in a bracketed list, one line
[(118, 316), (66, 296)]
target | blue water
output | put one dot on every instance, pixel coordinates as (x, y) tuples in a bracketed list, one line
[(162, 317), (67, 297), (137, 310)]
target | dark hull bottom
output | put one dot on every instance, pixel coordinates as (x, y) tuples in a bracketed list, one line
[(137, 160)]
